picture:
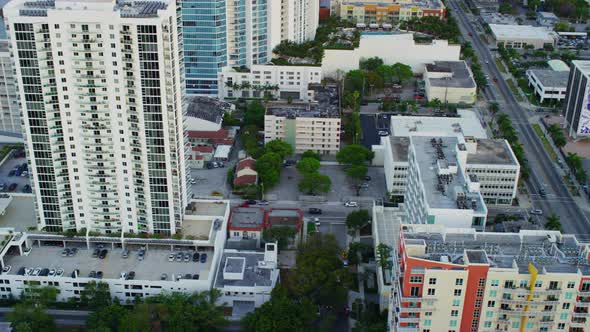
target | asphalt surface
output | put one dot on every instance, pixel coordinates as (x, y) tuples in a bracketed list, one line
[(371, 124), (543, 170)]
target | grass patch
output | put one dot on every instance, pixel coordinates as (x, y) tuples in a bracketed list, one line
[(514, 90), (311, 228), (500, 66), (545, 141)]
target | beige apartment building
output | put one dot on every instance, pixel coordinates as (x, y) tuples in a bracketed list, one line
[(306, 126)]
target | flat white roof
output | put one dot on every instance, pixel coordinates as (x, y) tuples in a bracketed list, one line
[(222, 151), (558, 65), (506, 31), (466, 124), (582, 65)]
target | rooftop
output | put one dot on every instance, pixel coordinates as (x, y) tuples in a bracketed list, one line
[(511, 31), (249, 262), (326, 104), (151, 268), (550, 77), (126, 8), (399, 148), (582, 65), (284, 213), (558, 65), (492, 151), (547, 15), (210, 109), (423, 4), (459, 75), (247, 217), (443, 186), (468, 124), (548, 251)]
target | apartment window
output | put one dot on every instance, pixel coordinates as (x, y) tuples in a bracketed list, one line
[(453, 323), (561, 326), (563, 315), (487, 324), (414, 291), (432, 281), (491, 304), (457, 292), (489, 314), (427, 322), (571, 284), (482, 282), (479, 293), (565, 306), (454, 313), (431, 291), (569, 295), (495, 283), (459, 282), (515, 325), (428, 313), (456, 303), (415, 279)]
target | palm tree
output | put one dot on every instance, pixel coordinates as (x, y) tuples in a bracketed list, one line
[(553, 222)]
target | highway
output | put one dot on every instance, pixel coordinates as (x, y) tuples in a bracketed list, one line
[(543, 170)]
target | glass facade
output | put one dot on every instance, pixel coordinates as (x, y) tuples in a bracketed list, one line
[(205, 44)]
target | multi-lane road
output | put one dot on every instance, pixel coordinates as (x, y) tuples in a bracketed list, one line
[(544, 172)]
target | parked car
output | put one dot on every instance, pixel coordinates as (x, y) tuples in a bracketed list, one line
[(99, 274), (364, 185), (171, 257), (187, 257), (6, 269), (123, 275), (367, 178), (52, 273), (195, 277), (351, 204), (164, 276), (196, 257), (59, 272), (73, 252), (125, 253), (542, 192), (92, 274), (24, 174), (179, 257), (141, 254), (263, 202), (203, 258), (383, 133), (95, 253), (314, 211), (26, 189), (537, 212), (65, 252), (316, 221), (75, 273), (251, 202), (131, 275), (103, 254), (12, 187)]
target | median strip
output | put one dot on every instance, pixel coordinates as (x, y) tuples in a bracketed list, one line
[(514, 90), (545, 141)]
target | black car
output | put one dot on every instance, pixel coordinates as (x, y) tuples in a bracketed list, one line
[(99, 274), (44, 272), (92, 274), (75, 273), (367, 178), (315, 211), (196, 257), (12, 187), (188, 276), (95, 253), (195, 276), (251, 202), (131, 275), (103, 253), (27, 189)]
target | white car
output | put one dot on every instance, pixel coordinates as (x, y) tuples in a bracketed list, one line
[(537, 212), (123, 275), (52, 273), (59, 273), (171, 257), (351, 204), (316, 221)]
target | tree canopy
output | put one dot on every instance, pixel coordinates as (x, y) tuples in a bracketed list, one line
[(315, 183), (254, 114), (354, 154), (281, 234), (308, 165), (371, 64), (281, 313), (28, 316), (310, 154), (357, 220), (279, 147)]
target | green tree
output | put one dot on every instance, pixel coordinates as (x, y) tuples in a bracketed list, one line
[(319, 274), (269, 167), (281, 234), (354, 154), (315, 183), (576, 163), (357, 172), (310, 154), (553, 222), (28, 316), (562, 26), (279, 147), (308, 165), (352, 100), (371, 64), (254, 114), (534, 4), (371, 321), (383, 255), (96, 295), (354, 80), (401, 72), (107, 318), (505, 8), (281, 313), (356, 220)]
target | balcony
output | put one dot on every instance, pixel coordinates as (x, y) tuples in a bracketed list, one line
[(580, 314)]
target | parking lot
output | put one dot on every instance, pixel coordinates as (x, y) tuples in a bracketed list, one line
[(342, 187), (20, 181), (151, 268), (208, 181)]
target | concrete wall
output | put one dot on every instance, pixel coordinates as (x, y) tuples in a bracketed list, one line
[(391, 48)]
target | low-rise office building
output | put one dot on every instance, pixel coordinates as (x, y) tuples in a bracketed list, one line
[(205, 113), (311, 126), (388, 12), (245, 172), (438, 189), (520, 36), (450, 82), (282, 82), (247, 223), (548, 84), (547, 19), (490, 162), (462, 280), (246, 279)]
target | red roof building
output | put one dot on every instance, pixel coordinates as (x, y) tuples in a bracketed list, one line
[(246, 172)]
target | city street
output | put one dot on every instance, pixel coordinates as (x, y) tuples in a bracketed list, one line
[(543, 172)]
